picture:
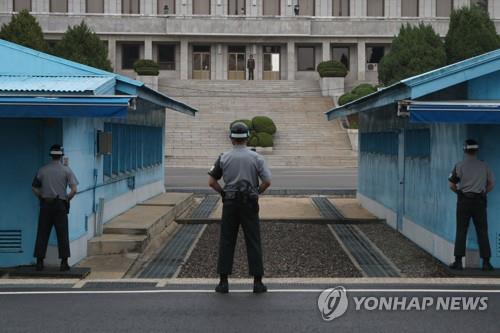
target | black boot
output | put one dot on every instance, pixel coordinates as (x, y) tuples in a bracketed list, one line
[(64, 265), (487, 265), (39, 264), (457, 264), (223, 286), (258, 286)]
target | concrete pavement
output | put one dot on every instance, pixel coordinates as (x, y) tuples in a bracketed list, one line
[(283, 178), (288, 307)]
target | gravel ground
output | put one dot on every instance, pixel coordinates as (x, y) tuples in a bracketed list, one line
[(289, 250), (407, 256)]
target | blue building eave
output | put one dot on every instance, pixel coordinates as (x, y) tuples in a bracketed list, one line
[(64, 106), (423, 84)]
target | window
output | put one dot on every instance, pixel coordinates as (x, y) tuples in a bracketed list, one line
[(166, 57), (133, 147), (58, 6), (444, 8), (95, 6), (341, 54), (375, 8), (130, 54), (131, 7), (166, 7), (480, 3), (201, 7), (409, 8), (306, 58), (236, 7), (383, 143), (306, 7), (340, 8), (374, 54), (271, 7), (21, 5)]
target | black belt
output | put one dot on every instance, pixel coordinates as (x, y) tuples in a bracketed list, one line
[(472, 195)]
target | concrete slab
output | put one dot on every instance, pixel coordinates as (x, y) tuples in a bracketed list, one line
[(116, 243), (50, 272), (281, 207), (167, 199), (351, 208), (109, 266), (140, 220)]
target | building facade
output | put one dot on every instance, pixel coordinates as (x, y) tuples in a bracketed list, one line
[(212, 39)]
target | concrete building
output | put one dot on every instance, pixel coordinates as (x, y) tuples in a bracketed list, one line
[(46, 100), (408, 149), (211, 39)]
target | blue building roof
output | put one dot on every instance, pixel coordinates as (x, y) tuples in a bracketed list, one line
[(95, 85), (423, 84), (21, 61)]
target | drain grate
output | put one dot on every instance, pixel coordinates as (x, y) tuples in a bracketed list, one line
[(368, 257), (172, 256)]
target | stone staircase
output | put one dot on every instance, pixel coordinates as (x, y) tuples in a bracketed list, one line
[(131, 231), (304, 138)]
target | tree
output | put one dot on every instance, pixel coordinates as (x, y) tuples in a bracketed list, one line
[(81, 44), (416, 50), (23, 29), (471, 33)]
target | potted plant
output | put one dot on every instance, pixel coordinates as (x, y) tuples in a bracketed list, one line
[(332, 76), (147, 71)]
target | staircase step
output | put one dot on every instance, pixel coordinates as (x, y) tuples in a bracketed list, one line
[(116, 243)]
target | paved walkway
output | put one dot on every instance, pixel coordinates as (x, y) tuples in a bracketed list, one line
[(288, 307)]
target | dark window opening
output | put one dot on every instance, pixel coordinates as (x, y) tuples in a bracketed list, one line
[(306, 58), (166, 57), (341, 54), (374, 54), (130, 54)]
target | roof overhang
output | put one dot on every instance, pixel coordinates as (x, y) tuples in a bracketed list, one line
[(456, 112), (65, 107)]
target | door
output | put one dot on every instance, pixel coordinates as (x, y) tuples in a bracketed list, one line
[(272, 63), (401, 178), (201, 65), (236, 65)]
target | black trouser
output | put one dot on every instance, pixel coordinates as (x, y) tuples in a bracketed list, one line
[(53, 213), (235, 213), (475, 208), (250, 74)]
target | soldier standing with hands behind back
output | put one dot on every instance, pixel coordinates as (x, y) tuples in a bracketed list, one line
[(241, 169), (50, 186), (472, 180)]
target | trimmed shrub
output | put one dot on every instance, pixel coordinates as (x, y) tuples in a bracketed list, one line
[(263, 124), (253, 141), (331, 68), (358, 92), (265, 139), (247, 122), (146, 67)]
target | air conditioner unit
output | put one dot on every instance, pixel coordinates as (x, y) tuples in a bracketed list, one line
[(371, 67)]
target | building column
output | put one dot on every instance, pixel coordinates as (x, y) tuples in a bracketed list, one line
[(112, 53), (291, 61), (326, 51), (184, 63), (219, 62), (148, 48), (361, 61)]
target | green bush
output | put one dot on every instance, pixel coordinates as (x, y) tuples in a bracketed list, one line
[(253, 141), (265, 139), (247, 122), (346, 98), (146, 67), (358, 92), (263, 124), (23, 29), (331, 68)]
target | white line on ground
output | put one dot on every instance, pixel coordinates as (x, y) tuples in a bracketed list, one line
[(206, 291)]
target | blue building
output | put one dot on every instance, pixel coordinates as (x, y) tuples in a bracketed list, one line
[(46, 100), (411, 135)]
